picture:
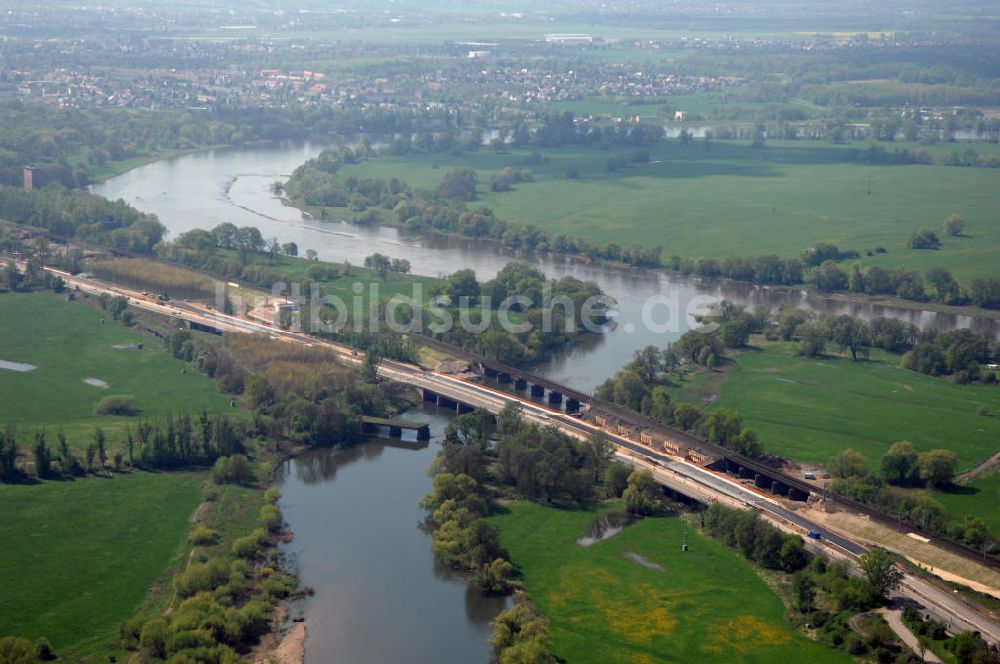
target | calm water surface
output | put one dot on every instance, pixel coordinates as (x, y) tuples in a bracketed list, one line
[(359, 542), (208, 188), (380, 595)]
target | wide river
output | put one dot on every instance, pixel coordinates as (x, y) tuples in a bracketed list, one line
[(205, 189), (358, 542)]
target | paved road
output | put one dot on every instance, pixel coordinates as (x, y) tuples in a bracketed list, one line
[(940, 603), (894, 617)]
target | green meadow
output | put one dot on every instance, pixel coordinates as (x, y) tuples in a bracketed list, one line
[(705, 605), (811, 409), (732, 199), (980, 497), (67, 343), (343, 285), (80, 556)]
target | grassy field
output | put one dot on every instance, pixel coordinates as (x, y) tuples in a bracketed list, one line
[(351, 293), (736, 200), (343, 285), (80, 556), (979, 497), (705, 605), (143, 274), (67, 343), (811, 409)]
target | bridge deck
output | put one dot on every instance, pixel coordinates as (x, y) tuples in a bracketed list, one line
[(500, 367), (387, 422), (645, 423)]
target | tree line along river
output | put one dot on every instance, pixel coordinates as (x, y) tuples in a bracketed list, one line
[(358, 537), (204, 189)]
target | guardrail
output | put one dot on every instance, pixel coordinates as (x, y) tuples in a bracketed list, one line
[(646, 423)]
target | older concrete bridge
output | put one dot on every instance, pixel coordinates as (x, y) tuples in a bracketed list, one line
[(650, 434), (627, 424)]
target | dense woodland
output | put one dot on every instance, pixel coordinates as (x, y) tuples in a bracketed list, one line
[(75, 214), (69, 146), (552, 312), (460, 299)]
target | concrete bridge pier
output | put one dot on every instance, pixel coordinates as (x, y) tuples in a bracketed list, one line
[(797, 494)]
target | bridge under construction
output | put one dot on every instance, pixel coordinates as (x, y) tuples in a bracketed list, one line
[(682, 462)]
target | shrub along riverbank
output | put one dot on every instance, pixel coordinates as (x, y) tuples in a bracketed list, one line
[(224, 598), (220, 594), (356, 184), (638, 597), (613, 600), (595, 192), (819, 391), (434, 309), (102, 600)]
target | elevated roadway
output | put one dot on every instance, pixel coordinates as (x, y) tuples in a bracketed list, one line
[(673, 471)]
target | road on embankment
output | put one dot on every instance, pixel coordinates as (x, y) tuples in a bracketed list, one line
[(673, 471)]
